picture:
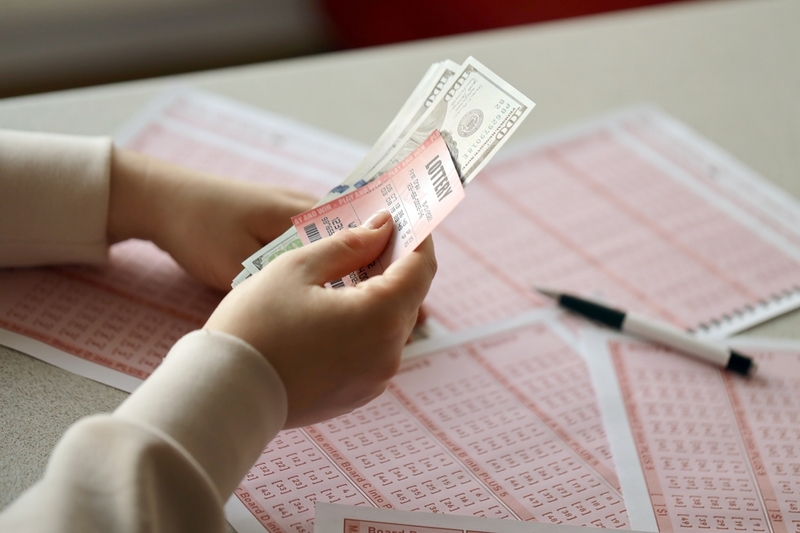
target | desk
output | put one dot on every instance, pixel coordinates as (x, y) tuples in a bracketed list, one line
[(730, 69)]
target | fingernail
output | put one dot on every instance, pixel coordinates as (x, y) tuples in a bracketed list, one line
[(377, 220)]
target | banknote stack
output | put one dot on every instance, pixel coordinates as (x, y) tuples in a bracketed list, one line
[(473, 109)]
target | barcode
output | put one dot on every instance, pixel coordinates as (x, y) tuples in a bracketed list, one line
[(338, 284), (312, 232)]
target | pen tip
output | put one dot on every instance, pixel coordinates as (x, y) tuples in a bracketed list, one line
[(547, 292), (741, 364)]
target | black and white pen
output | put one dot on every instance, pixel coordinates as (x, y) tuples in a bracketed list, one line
[(646, 328)]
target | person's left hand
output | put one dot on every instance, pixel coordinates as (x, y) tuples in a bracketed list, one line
[(208, 224)]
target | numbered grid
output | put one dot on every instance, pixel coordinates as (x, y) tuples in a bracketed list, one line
[(719, 452), (467, 431), (593, 215)]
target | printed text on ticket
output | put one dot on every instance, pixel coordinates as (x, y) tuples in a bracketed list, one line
[(419, 192)]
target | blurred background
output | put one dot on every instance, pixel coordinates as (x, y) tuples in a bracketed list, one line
[(50, 45)]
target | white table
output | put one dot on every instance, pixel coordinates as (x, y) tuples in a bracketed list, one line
[(728, 68)]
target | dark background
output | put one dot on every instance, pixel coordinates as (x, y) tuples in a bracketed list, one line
[(49, 45)]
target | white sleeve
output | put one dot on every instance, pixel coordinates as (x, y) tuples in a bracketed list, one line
[(53, 198), (169, 457)]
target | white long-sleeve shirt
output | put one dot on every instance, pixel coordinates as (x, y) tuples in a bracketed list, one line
[(174, 451)]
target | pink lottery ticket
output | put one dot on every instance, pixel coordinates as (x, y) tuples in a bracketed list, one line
[(718, 452), (599, 212), (332, 518), (419, 192), (504, 427), (717, 169)]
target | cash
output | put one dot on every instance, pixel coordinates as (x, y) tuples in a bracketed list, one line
[(474, 110)]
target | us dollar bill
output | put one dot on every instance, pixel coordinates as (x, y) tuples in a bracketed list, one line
[(475, 111), (289, 240), (475, 115), (243, 275), (426, 93)]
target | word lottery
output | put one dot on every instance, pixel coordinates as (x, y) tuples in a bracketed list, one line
[(419, 193), (471, 111)]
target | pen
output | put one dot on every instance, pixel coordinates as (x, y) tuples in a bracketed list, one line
[(652, 330)]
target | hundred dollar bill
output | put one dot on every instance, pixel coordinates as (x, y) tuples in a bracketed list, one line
[(424, 95), (474, 109), (475, 115)]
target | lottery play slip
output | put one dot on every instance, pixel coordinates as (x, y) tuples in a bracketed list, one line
[(507, 409)]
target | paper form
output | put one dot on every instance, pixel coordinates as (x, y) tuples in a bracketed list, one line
[(597, 211), (347, 519), (704, 449), (718, 170), (505, 426)]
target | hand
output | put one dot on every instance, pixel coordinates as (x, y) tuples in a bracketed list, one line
[(334, 349), (208, 224)]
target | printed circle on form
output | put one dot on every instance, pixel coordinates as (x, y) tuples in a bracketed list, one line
[(470, 123)]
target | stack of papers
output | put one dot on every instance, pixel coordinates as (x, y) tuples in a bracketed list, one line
[(509, 409)]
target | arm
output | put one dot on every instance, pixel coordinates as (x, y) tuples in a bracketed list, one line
[(53, 198), (169, 456), (166, 456), (174, 451), (64, 199)]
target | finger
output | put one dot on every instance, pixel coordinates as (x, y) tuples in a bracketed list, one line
[(344, 252), (407, 280), (243, 247), (422, 316), (290, 194), (290, 206), (274, 215)]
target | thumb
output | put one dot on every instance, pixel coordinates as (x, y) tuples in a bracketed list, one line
[(345, 251)]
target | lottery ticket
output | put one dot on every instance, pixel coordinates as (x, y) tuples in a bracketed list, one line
[(419, 192), (699, 448), (351, 519), (500, 426)]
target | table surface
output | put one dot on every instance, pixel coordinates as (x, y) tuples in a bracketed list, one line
[(730, 69)]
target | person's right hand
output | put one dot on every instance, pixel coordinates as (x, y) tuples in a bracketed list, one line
[(207, 223), (334, 349)]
